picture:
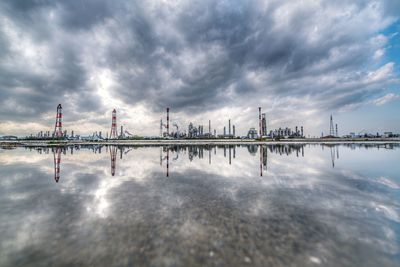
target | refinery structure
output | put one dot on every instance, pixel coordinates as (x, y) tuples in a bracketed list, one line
[(192, 130), (169, 130)]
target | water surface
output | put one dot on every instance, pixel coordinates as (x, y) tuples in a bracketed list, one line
[(282, 205)]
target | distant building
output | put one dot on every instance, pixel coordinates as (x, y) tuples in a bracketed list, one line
[(252, 133), (388, 134), (8, 137), (286, 133)]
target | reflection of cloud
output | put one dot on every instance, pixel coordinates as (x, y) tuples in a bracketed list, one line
[(388, 211), (141, 215), (388, 183)]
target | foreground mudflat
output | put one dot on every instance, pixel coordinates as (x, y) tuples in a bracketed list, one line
[(225, 205)]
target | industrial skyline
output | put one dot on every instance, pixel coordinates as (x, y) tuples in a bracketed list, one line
[(209, 61), (195, 132)]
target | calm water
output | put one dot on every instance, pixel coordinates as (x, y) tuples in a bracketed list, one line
[(200, 206)]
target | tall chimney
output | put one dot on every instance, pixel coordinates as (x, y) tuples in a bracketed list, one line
[(167, 121), (229, 127), (259, 120)]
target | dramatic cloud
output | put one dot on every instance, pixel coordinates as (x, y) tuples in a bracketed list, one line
[(386, 99), (204, 59)]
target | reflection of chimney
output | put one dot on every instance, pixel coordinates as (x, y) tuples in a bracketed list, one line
[(337, 152), (113, 155), (167, 162), (261, 160), (230, 158)]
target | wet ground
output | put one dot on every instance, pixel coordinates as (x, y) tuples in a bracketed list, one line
[(280, 205)]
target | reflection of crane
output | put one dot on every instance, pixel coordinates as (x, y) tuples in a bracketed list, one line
[(129, 150)]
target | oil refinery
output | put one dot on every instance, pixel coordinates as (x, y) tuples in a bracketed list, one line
[(175, 131)]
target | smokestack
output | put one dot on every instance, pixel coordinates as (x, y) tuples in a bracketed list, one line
[(58, 126), (113, 133), (167, 121), (229, 126), (259, 120), (233, 130), (224, 130), (336, 130), (209, 127)]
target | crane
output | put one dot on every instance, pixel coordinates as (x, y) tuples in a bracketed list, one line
[(128, 133), (176, 125), (177, 129)]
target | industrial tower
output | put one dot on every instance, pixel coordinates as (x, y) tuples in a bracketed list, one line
[(263, 124), (167, 121), (114, 133), (259, 121), (331, 129), (58, 126)]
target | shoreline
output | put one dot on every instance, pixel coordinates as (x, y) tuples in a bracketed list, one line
[(49, 143)]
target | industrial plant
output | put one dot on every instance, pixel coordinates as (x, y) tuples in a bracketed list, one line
[(174, 131)]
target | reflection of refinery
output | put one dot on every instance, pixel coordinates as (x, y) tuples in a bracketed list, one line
[(169, 154)]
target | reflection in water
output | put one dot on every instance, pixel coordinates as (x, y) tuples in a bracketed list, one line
[(113, 155), (57, 162), (198, 152), (191, 151), (213, 211)]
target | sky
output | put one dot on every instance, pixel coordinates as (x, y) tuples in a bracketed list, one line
[(207, 60)]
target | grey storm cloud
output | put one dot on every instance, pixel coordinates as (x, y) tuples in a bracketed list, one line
[(189, 54)]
